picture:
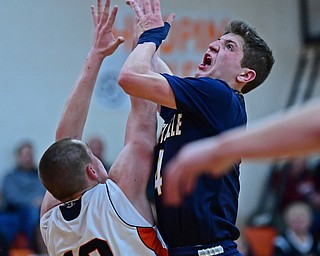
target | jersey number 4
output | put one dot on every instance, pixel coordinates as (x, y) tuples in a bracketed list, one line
[(158, 177)]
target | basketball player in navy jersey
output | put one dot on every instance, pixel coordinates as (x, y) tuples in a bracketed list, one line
[(193, 108), (87, 211)]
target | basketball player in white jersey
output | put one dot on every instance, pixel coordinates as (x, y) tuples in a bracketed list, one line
[(85, 210)]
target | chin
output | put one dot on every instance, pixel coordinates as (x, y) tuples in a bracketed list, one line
[(197, 74), (201, 73)]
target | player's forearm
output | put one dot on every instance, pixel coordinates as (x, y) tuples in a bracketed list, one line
[(136, 67), (163, 67), (293, 133), (141, 138), (143, 121), (142, 118), (76, 109)]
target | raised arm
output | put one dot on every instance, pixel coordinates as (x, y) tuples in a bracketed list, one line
[(131, 170), (294, 132), (76, 109), (136, 76), (104, 44)]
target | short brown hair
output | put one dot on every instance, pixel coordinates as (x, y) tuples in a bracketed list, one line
[(62, 167), (256, 53)]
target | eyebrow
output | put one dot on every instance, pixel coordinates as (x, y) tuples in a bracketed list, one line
[(230, 41)]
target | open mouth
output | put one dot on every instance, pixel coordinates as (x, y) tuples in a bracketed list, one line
[(207, 61)]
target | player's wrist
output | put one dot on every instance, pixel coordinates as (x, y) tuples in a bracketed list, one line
[(155, 35), (96, 54)]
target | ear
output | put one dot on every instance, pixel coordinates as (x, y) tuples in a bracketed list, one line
[(92, 174), (246, 76)]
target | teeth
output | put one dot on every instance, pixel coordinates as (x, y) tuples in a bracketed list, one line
[(208, 60)]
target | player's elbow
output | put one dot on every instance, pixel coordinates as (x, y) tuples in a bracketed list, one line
[(126, 81)]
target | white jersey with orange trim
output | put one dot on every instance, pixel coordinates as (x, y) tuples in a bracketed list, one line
[(102, 222)]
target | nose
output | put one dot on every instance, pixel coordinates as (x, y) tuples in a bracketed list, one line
[(214, 46)]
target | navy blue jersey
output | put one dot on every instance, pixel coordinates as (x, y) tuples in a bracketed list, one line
[(205, 107)]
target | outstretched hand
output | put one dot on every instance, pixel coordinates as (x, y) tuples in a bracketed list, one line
[(148, 14), (196, 158), (104, 42)]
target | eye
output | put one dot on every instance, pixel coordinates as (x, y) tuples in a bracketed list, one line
[(229, 46)]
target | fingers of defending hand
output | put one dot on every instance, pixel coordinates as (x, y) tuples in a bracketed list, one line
[(136, 8), (112, 17), (170, 18), (188, 185), (98, 14), (147, 6), (94, 15), (105, 13), (171, 186), (120, 40), (156, 7), (99, 6), (116, 44)]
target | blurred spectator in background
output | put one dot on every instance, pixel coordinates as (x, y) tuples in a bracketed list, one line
[(98, 148), (22, 193), (295, 181), (314, 199), (296, 238)]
